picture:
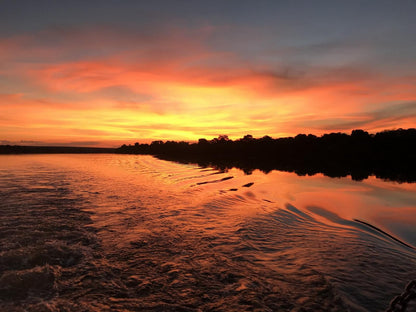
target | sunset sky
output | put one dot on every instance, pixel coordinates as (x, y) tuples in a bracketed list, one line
[(104, 73)]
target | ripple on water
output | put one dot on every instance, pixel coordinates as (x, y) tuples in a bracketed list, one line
[(132, 233)]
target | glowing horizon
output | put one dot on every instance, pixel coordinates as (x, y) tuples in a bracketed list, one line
[(86, 81)]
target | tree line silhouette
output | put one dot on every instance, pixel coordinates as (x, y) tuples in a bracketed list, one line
[(389, 154)]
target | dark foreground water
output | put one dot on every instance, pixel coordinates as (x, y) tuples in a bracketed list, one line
[(133, 233)]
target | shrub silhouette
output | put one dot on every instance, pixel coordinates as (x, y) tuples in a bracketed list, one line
[(389, 154)]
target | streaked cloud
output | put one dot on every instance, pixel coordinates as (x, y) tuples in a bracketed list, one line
[(88, 80)]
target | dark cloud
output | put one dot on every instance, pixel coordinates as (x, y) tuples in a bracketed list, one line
[(158, 56), (332, 124), (401, 110), (380, 117), (43, 143), (122, 93), (79, 143)]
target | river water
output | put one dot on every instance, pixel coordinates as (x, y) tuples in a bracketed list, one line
[(135, 233)]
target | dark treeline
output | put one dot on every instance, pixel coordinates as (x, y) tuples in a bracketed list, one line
[(387, 155), (18, 149)]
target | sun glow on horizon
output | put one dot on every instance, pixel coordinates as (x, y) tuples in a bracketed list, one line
[(102, 85)]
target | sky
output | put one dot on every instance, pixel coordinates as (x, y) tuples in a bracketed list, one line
[(107, 73)]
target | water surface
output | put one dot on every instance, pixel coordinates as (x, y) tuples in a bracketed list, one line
[(135, 233)]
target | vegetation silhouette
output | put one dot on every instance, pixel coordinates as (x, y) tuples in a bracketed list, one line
[(389, 154)]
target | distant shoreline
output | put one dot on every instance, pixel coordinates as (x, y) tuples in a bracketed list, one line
[(389, 155), (20, 149)]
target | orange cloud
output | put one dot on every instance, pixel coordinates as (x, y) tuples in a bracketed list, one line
[(98, 86)]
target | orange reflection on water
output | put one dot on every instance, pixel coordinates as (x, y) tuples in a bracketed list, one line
[(166, 230), (383, 204), (226, 198)]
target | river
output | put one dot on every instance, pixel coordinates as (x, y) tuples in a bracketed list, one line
[(106, 232)]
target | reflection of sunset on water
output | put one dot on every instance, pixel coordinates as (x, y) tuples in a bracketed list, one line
[(200, 105), (278, 238)]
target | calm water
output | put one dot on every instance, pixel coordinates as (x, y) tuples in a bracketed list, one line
[(134, 233)]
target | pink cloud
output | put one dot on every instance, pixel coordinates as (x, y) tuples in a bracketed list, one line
[(178, 75)]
